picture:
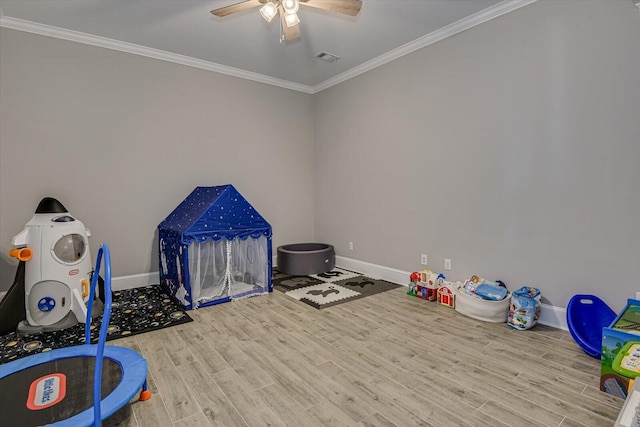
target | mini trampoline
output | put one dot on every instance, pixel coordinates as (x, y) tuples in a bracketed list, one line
[(586, 316), (55, 388)]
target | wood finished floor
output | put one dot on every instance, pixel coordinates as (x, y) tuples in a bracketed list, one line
[(384, 360)]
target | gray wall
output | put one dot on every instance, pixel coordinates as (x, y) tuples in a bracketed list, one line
[(511, 148), (121, 139)]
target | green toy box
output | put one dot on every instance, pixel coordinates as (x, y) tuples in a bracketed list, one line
[(620, 359)]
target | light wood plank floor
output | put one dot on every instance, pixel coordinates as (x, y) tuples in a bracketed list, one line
[(384, 360)]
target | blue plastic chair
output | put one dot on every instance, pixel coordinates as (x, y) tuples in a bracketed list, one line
[(586, 316)]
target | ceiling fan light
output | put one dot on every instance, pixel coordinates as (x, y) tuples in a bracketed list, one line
[(291, 6), (268, 11), (291, 19)]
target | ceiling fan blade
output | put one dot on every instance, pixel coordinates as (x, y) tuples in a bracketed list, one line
[(228, 10), (290, 33), (348, 7)]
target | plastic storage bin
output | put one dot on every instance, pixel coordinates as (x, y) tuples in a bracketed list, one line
[(481, 309)]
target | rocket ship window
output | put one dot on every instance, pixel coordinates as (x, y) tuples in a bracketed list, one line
[(70, 248), (63, 218)]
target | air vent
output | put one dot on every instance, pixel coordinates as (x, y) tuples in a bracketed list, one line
[(326, 56)]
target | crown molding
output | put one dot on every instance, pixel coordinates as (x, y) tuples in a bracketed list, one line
[(499, 9), (442, 33), (90, 39)]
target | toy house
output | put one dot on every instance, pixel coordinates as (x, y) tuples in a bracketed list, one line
[(427, 287), (413, 283), (425, 292), (214, 247), (446, 296)]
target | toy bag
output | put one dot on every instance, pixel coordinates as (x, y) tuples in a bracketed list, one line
[(525, 308)]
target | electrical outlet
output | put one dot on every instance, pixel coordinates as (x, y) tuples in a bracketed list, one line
[(638, 295), (423, 259), (447, 264), (350, 246)]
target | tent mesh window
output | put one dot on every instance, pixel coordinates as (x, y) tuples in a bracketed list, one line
[(228, 268)]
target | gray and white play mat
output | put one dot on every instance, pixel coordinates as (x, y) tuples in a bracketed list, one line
[(330, 288)]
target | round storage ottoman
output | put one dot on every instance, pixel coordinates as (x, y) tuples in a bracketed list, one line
[(303, 259)]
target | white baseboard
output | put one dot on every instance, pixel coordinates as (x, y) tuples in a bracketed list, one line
[(376, 271), (135, 281), (126, 282), (550, 315), (553, 316)]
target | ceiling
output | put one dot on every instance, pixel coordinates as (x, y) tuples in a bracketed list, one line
[(245, 45)]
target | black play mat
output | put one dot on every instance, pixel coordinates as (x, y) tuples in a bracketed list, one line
[(331, 288), (134, 311)]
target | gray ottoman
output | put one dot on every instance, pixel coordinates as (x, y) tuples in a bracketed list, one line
[(303, 259)]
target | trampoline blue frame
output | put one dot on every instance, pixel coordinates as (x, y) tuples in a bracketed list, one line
[(132, 364)]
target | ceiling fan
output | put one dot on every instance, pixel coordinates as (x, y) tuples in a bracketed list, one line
[(288, 10)]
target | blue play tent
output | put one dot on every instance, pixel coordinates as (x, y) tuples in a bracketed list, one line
[(214, 247)]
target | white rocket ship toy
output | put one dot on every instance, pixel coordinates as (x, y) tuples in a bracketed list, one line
[(55, 248)]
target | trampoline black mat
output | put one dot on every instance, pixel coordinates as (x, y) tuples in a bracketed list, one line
[(134, 311), (39, 397)]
